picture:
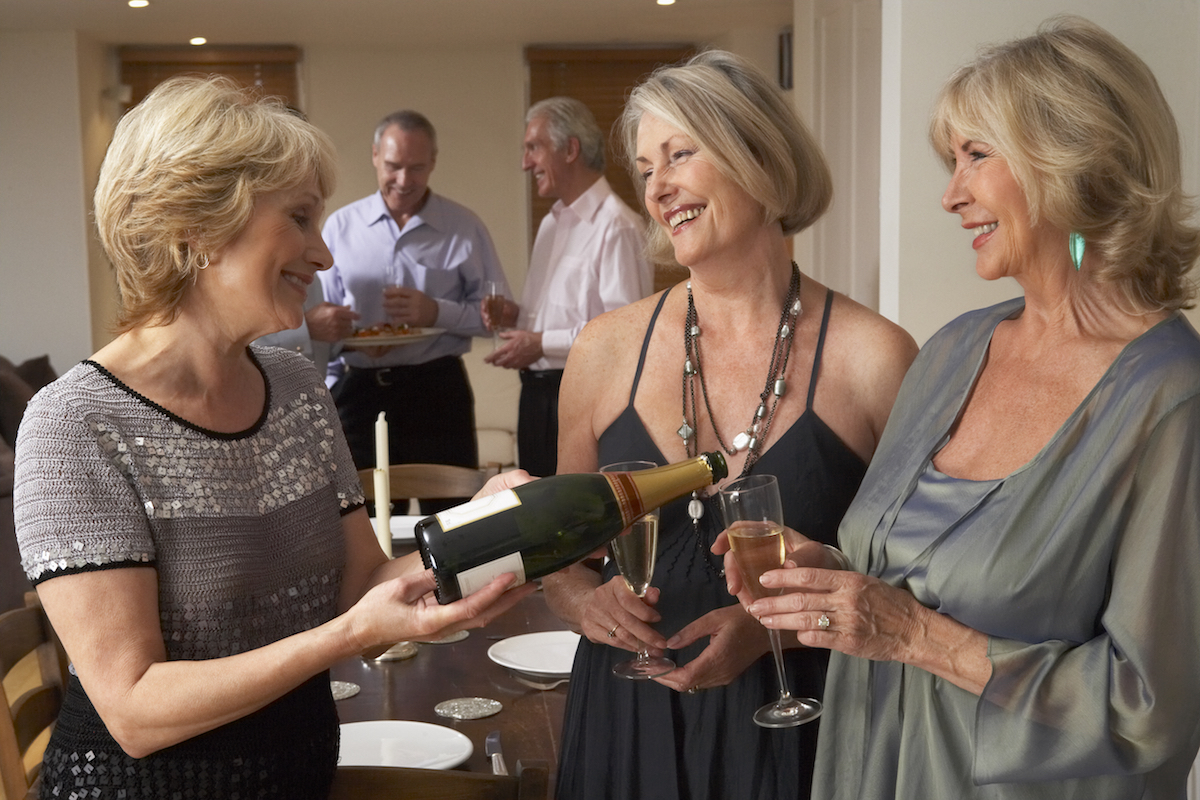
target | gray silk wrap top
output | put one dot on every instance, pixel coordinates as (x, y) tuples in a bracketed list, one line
[(1082, 567)]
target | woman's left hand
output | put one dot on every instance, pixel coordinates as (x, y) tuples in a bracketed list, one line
[(736, 640), (866, 617)]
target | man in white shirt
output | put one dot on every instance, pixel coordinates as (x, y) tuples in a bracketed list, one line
[(587, 259)]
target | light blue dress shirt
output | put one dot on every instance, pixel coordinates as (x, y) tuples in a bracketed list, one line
[(444, 251)]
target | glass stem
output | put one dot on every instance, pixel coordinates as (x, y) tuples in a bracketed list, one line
[(777, 651)]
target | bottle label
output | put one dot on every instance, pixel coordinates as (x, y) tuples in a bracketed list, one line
[(477, 509), (628, 496), (473, 579)]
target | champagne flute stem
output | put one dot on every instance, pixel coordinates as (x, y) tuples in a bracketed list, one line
[(777, 651)]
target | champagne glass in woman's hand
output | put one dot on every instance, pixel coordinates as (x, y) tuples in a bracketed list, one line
[(754, 524), (634, 551)]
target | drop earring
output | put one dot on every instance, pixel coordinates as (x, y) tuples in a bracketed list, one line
[(1075, 243)]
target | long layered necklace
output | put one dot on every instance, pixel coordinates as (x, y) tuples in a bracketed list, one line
[(754, 436)]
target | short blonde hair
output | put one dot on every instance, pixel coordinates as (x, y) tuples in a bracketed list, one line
[(181, 178), (1091, 141), (746, 129)]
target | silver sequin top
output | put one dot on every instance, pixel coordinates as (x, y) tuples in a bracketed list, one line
[(244, 529)]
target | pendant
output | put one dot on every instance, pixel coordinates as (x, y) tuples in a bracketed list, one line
[(695, 508), (685, 431), (741, 440)]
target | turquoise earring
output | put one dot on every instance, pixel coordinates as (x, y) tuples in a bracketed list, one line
[(1075, 243)]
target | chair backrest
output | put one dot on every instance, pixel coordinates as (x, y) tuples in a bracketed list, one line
[(38, 681), (400, 783), (429, 481)]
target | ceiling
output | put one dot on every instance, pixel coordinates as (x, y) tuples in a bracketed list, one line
[(394, 22)]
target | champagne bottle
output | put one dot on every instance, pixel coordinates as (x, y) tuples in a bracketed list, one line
[(548, 524)]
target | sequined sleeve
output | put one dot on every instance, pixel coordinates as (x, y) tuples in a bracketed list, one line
[(74, 505)]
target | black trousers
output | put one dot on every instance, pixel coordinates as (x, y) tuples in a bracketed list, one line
[(537, 421), (430, 411)]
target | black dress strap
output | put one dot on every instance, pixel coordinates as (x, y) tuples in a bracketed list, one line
[(812, 381), (637, 376)]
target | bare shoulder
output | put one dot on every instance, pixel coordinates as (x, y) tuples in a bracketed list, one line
[(875, 348), (605, 343)]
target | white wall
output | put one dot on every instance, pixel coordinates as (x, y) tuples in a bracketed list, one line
[(927, 265), (44, 303)]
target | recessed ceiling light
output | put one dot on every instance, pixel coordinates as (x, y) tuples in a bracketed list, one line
[(197, 40), (666, 2), (138, 3)]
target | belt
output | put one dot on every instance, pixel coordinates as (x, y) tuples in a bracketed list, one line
[(540, 375), (390, 376)]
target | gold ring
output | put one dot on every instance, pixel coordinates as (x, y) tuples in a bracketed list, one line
[(613, 633), (693, 690)]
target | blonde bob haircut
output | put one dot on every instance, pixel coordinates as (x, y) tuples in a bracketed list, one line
[(180, 180), (746, 130), (1089, 137)]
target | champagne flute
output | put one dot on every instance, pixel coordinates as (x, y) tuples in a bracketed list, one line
[(754, 524), (634, 550), (493, 301)]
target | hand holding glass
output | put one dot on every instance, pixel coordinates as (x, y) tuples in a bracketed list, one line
[(493, 305), (754, 524), (634, 551)]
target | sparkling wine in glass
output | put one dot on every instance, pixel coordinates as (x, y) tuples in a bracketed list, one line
[(634, 551), (493, 303), (754, 524)]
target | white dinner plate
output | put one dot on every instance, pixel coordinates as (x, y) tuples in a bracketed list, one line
[(414, 335), (548, 653), (402, 743), (403, 527)]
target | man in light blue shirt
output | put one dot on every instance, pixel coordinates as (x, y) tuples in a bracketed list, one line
[(405, 255)]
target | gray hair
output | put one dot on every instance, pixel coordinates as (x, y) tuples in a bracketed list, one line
[(566, 119), (409, 121)]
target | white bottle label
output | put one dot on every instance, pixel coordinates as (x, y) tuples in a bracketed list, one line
[(477, 509), (473, 579)]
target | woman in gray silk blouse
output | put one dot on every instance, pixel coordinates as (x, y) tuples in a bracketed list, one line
[(186, 503), (1022, 617)]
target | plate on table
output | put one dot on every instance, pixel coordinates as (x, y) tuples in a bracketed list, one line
[(549, 653), (402, 743), (393, 339), (404, 527)]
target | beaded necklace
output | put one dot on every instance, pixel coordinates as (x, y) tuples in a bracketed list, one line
[(755, 435)]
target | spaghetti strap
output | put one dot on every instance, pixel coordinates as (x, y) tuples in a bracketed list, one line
[(812, 381), (637, 376)]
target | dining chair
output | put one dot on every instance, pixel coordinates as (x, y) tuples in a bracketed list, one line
[(40, 683), (429, 481), (403, 783)]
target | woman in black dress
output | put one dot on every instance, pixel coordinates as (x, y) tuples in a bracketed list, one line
[(728, 172)]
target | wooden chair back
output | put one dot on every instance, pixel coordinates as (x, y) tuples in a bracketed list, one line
[(429, 481), (26, 632), (399, 783)]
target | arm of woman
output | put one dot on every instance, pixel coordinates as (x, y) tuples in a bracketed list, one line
[(575, 594)]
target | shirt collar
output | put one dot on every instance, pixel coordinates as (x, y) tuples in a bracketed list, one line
[(432, 213), (587, 204)]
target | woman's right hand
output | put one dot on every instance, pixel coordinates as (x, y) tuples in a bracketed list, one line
[(614, 608)]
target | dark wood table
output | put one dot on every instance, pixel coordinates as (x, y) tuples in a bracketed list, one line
[(530, 722)]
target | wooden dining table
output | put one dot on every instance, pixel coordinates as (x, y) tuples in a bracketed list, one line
[(530, 722)]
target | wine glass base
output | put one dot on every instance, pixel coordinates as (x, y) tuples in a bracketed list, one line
[(643, 669), (788, 713)]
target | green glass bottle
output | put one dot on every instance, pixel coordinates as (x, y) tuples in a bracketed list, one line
[(545, 525)]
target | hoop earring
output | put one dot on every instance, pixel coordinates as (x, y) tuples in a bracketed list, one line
[(202, 261), (1076, 244)]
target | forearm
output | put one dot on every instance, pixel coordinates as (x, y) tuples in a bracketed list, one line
[(567, 590), (950, 650)]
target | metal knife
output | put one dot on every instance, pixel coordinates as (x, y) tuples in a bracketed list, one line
[(492, 749)]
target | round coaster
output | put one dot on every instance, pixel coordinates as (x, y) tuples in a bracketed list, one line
[(468, 708), (451, 639), (343, 689), (398, 652)]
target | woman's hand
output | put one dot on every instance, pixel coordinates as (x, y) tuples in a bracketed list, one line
[(801, 551), (874, 620), (736, 640), (404, 608), (505, 480), (614, 609)]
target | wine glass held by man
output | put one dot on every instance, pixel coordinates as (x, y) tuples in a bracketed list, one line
[(185, 503), (749, 357), (1027, 620)]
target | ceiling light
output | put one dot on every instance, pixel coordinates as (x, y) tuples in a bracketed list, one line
[(197, 40), (666, 2), (138, 3)]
